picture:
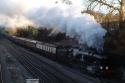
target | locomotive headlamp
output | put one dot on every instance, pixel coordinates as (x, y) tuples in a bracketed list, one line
[(101, 67), (106, 67)]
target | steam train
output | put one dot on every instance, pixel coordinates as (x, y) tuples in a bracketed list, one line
[(93, 63)]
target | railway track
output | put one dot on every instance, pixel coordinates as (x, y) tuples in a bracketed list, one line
[(1, 77), (40, 73), (38, 69)]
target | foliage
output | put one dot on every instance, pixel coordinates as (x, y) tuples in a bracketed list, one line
[(41, 34), (28, 32), (115, 42)]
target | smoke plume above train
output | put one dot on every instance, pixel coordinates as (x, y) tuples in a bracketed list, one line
[(59, 17)]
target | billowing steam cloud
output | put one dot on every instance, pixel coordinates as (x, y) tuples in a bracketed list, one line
[(69, 20), (59, 17)]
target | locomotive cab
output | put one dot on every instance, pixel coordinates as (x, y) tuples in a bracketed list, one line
[(63, 53)]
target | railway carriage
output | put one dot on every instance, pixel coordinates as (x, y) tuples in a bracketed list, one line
[(57, 52), (25, 42), (46, 49)]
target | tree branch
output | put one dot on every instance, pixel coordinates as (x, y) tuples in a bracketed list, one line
[(103, 2)]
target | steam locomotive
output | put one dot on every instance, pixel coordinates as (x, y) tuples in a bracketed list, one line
[(93, 63)]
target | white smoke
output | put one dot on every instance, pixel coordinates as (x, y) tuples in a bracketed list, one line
[(59, 17), (68, 19)]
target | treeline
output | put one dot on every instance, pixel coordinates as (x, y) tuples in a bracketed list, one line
[(41, 34), (115, 38)]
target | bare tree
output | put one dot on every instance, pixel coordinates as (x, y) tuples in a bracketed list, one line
[(111, 5)]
